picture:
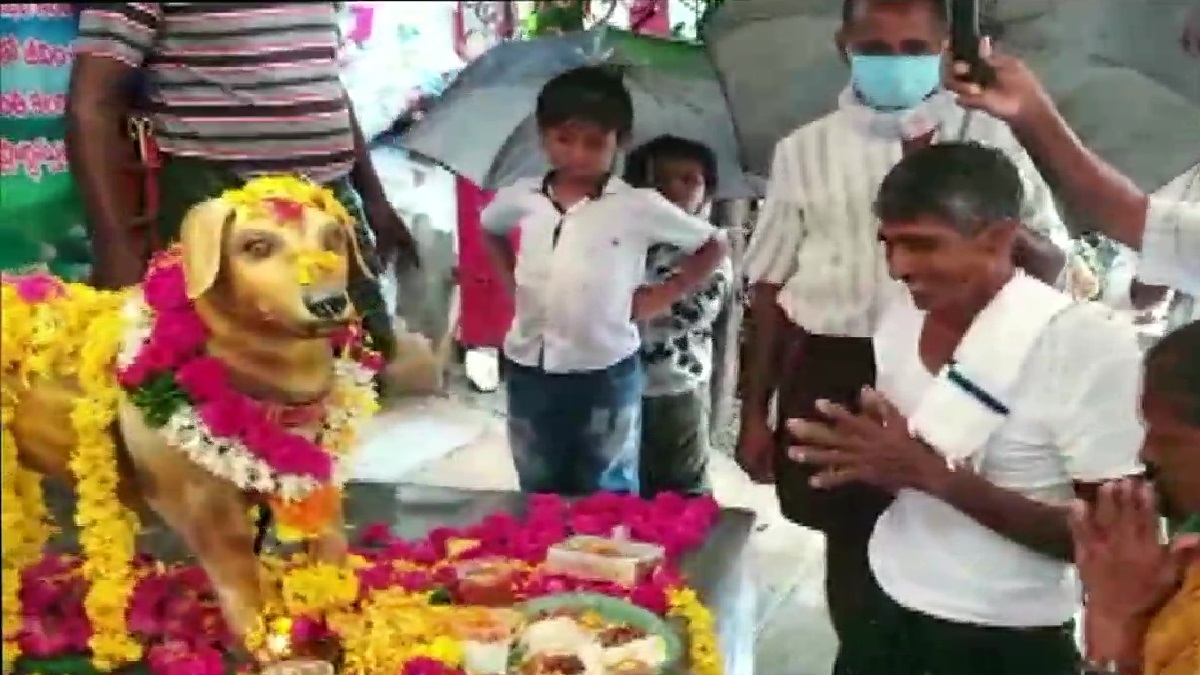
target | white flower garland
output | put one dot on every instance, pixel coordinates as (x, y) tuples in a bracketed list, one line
[(353, 400)]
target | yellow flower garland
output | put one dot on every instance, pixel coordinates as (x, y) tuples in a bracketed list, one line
[(393, 627), (77, 332), (704, 655), (252, 198), (108, 531), (23, 519)]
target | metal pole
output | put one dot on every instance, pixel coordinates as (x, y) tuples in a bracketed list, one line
[(731, 217)]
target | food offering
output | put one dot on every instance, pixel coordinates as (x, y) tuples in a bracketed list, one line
[(487, 636), (616, 559), (489, 582), (593, 634)]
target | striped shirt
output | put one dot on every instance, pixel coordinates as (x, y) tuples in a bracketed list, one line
[(817, 234), (251, 85)]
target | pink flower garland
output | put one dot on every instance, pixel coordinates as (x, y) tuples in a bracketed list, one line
[(175, 348), (175, 610)]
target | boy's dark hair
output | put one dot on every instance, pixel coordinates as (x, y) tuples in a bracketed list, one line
[(589, 94), (1173, 369), (967, 185), (850, 7), (640, 160)]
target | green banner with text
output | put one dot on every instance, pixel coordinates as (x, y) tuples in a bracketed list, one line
[(41, 214)]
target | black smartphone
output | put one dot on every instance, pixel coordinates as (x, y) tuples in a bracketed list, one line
[(965, 35)]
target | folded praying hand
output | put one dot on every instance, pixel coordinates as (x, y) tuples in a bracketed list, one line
[(872, 447)]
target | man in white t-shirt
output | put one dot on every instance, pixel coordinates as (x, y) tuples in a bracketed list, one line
[(972, 559), (1165, 230), (817, 273)]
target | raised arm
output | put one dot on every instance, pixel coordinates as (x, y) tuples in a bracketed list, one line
[(112, 44)]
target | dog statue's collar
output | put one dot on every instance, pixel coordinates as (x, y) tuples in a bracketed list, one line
[(292, 415)]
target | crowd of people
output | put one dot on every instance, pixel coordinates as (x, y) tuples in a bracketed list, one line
[(969, 437)]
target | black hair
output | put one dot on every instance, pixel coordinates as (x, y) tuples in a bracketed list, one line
[(640, 160), (592, 94), (850, 7), (1173, 369), (968, 185)]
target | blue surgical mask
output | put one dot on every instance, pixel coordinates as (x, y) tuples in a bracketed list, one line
[(895, 82)]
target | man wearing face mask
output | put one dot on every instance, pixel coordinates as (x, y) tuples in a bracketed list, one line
[(818, 275)]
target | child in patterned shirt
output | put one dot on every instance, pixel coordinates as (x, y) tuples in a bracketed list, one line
[(677, 348)]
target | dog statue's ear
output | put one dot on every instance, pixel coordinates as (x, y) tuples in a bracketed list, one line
[(356, 250), (202, 234)]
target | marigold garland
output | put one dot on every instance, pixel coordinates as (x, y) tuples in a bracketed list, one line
[(108, 530), (704, 655), (282, 196), (51, 328)]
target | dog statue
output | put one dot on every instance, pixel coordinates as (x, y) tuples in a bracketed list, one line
[(268, 279)]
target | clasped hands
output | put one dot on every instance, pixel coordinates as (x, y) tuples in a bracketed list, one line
[(872, 447)]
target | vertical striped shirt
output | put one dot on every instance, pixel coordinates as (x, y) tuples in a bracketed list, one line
[(817, 234), (252, 85)]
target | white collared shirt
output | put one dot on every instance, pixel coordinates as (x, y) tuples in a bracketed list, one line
[(1073, 418), (817, 234), (577, 270)]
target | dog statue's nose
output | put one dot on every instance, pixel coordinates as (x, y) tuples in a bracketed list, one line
[(327, 306)]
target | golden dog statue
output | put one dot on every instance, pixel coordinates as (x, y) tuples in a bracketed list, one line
[(265, 270)]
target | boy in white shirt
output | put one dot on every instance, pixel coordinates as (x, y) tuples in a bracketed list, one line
[(572, 369)]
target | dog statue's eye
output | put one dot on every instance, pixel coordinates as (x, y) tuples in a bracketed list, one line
[(335, 240), (259, 248)]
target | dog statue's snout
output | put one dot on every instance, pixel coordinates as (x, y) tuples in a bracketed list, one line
[(327, 306)]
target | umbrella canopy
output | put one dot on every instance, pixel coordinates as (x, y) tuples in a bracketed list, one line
[(1116, 68), (482, 126)]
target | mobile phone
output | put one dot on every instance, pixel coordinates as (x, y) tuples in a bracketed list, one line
[(965, 35)]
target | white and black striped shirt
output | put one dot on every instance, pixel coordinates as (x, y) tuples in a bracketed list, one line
[(817, 235)]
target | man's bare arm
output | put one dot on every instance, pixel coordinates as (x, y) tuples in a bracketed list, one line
[(1039, 256), (363, 175), (1091, 185), (97, 106), (762, 358), (1037, 526)]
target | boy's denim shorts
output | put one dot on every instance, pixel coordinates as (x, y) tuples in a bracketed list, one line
[(575, 433)]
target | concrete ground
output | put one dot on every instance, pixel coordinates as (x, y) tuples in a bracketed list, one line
[(459, 441)]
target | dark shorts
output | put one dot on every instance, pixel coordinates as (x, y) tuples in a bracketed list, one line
[(186, 181), (901, 641), (575, 433), (675, 447)]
